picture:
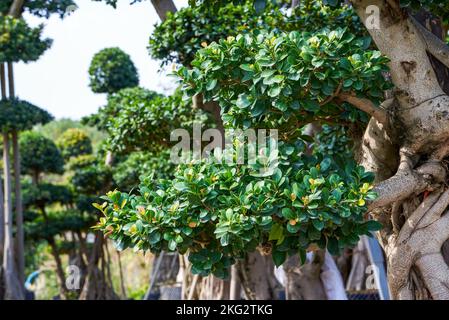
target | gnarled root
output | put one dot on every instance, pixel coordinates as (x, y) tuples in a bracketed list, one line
[(418, 244)]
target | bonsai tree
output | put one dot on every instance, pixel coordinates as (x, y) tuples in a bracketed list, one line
[(74, 143), (39, 155), (111, 69), (384, 86)]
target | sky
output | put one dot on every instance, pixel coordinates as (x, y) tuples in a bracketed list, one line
[(59, 82)]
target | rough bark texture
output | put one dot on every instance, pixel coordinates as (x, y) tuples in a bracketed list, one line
[(408, 159), (213, 288), (256, 273), (303, 281)]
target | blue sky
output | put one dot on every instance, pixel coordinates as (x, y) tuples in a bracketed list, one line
[(58, 81)]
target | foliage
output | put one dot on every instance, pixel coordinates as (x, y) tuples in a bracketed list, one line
[(90, 177), (138, 119), (20, 42), (116, 102), (45, 194), (54, 129), (218, 211), (186, 31), (296, 76), (139, 164), (40, 8), (111, 69), (183, 33), (39, 154), (21, 115), (58, 222), (73, 143)]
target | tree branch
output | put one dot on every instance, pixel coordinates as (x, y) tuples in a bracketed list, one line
[(367, 106), (16, 8), (163, 7), (434, 45)]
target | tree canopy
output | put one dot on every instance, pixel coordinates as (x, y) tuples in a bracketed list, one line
[(111, 69)]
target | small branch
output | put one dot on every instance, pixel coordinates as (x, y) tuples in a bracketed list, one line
[(366, 106), (334, 95), (163, 7), (434, 45)]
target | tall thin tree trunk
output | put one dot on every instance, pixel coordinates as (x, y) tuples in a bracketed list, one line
[(59, 269), (13, 286), (12, 92), (122, 279), (3, 80), (20, 238)]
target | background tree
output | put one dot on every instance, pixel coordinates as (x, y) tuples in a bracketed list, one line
[(111, 69), (74, 143), (15, 116)]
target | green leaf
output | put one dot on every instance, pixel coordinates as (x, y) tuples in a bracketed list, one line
[(279, 257), (243, 101), (318, 224), (172, 245), (288, 213), (247, 67), (280, 105), (302, 256), (276, 233), (311, 105), (211, 84), (274, 91), (373, 225), (332, 246)]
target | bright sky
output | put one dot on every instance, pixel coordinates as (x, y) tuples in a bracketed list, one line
[(58, 81)]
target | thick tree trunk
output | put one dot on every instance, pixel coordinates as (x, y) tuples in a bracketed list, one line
[(213, 288), (163, 7), (13, 286), (20, 238), (256, 273), (303, 282), (413, 199)]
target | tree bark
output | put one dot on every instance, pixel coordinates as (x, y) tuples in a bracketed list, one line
[(11, 87), (16, 8), (303, 281), (13, 286), (59, 269), (412, 197), (20, 238), (3, 80), (163, 7), (235, 286), (96, 286), (256, 273)]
